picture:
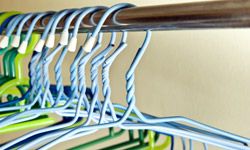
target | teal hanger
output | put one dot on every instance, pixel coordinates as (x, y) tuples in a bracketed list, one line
[(10, 73), (9, 65), (8, 60)]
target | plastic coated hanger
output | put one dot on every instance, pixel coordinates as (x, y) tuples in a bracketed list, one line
[(67, 103), (88, 46), (42, 120), (5, 18), (88, 56), (172, 130), (132, 78), (20, 107), (31, 68), (167, 125)]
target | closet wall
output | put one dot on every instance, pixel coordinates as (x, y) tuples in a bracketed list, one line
[(201, 74)]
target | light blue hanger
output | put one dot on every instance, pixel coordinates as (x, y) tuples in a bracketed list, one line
[(48, 129), (9, 30), (83, 62), (42, 92), (121, 47), (15, 116), (130, 78), (48, 59), (131, 97), (106, 82), (35, 69), (42, 37), (130, 101), (95, 63), (24, 43), (131, 86), (82, 67), (89, 10), (36, 62)]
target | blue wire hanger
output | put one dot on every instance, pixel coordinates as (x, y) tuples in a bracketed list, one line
[(131, 99), (13, 142), (169, 125)]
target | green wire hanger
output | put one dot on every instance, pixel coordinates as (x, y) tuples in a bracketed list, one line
[(9, 71), (20, 79), (8, 64), (3, 17)]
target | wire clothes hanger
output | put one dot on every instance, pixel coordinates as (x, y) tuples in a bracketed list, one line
[(26, 136), (36, 70), (169, 125), (111, 45), (195, 123), (30, 28), (31, 68), (81, 82), (18, 67)]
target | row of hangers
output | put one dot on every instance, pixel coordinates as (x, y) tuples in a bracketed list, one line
[(8, 66), (30, 101)]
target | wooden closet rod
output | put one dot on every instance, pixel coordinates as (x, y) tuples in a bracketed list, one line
[(196, 15)]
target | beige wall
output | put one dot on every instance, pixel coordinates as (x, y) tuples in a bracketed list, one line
[(202, 74)]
